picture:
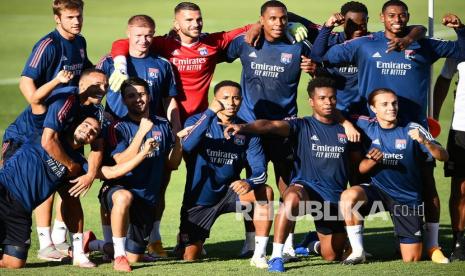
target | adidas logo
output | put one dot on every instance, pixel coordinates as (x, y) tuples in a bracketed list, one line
[(418, 234), (376, 55), (314, 138), (253, 55), (175, 53), (64, 58), (376, 142)]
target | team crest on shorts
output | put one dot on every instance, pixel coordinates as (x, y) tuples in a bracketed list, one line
[(286, 58), (401, 144), (410, 54), (239, 139), (342, 138), (153, 72), (83, 54), (203, 51)]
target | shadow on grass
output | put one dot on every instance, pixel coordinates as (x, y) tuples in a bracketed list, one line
[(380, 242)]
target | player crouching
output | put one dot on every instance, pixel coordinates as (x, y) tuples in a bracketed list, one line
[(214, 186)]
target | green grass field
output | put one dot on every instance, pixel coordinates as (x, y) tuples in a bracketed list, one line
[(23, 23)]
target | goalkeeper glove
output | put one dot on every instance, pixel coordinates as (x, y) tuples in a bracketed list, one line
[(296, 32), (119, 74)]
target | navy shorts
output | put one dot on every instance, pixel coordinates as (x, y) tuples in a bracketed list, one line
[(141, 218), (196, 221), (328, 220), (455, 166), (15, 224), (407, 220)]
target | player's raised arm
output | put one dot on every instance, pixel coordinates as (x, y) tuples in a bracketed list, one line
[(200, 125), (322, 44), (144, 127), (453, 21), (52, 145), (423, 137), (119, 170), (277, 127), (37, 98)]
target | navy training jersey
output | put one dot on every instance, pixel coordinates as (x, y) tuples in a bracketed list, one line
[(24, 127), (269, 79), (406, 72), (399, 174), (155, 70), (145, 180), (53, 53), (31, 175), (345, 74), (64, 107), (213, 162), (321, 156)]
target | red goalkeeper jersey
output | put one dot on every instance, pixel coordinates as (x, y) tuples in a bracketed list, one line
[(194, 65)]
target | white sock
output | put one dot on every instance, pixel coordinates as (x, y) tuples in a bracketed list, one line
[(250, 240), (118, 244), (431, 234), (155, 234), (76, 240), (289, 243), (355, 234), (107, 234), (277, 250), (260, 246), (44, 237), (78, 251), (96, 245), (59, 232)]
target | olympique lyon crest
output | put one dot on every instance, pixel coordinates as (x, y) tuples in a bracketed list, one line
[(153, 72), (83, 54), (410, 54), (239, 139), (203, 51), (342, 138), (286, 58), (156, 135), (401, 144)]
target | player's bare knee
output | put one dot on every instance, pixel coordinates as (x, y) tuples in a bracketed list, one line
[(350, 196), (328, 255), (291, 200), (122, 198)]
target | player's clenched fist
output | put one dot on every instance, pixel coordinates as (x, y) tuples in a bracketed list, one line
[(375, 155), (64, 76), (452, 21), (335, 20), (145, 125), (416, 135)]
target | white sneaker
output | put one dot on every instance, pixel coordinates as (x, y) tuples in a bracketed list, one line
[(289, 255), (355, 258), (259, 262)]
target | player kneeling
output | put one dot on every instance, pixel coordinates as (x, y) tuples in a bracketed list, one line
[(31, 175), (320, 173), (214, 186), (398, 150)]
